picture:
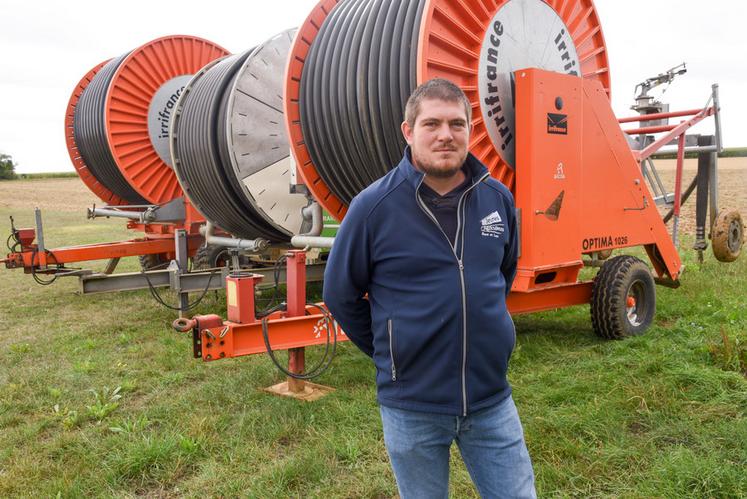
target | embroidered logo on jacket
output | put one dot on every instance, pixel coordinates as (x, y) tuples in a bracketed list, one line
[(492, 225)]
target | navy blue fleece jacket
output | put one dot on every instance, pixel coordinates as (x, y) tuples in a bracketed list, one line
[(435, 321)]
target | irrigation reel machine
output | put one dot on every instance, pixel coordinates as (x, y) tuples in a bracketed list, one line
[(537, 75), (230, 166)]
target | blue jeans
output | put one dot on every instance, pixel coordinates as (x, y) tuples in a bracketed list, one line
[(491, 442)]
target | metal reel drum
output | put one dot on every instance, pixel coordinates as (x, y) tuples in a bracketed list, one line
[(84, 171), (476, 44), (256, 138), (230, 150), (139, 108)]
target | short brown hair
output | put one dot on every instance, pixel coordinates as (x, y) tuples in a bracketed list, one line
[(437, 88)]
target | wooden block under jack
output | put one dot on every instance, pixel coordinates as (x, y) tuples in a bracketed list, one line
[(309, 392)]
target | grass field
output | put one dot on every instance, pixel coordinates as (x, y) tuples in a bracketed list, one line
[(100, 398)]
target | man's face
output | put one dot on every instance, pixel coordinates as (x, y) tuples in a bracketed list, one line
[(439, 138)]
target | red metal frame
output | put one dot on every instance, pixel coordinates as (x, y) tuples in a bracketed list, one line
[(30, 257), (296, 328), (674, 130), (659, 116), (159, 239)]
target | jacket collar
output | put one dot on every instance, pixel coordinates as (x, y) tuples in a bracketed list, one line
[(414, 176)]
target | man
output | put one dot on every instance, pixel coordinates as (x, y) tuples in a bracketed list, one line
[(434, 245)]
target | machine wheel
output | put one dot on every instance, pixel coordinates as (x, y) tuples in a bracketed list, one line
[(154, 261), (210, 257), (623, 298), (727, 236)]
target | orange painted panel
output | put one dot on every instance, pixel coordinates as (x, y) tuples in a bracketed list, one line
[(605, 203)]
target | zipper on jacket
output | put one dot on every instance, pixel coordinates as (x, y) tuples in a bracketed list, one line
[(459, 233), (391, 349)]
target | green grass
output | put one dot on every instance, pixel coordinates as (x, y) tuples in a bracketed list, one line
[(734, 152), (100, 398)]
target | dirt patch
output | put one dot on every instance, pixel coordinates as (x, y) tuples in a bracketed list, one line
[(58, 194), (732, 180)]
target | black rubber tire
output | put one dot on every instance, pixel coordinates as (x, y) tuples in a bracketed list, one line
[(210, 257), (622, 277), (727, 236), (154, 261)]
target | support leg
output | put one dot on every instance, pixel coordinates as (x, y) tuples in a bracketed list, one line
[(182, 259), (296, 299), (701, 202)]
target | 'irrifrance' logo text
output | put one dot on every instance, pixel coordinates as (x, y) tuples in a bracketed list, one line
[(565, 54), (511, 43), (492, 225), (164, 115), (493, 100)]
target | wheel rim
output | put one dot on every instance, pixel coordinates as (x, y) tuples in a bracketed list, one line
[(635, 305), (735, 236)]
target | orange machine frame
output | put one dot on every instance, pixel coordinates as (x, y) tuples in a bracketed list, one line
[(159, 239), (579, 187)]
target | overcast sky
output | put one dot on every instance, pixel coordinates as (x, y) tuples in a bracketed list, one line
[(46, 47)]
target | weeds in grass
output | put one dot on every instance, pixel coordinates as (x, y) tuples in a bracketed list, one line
[(68, 417), (105, 402), (152, 458), (730, 354), (132, 426), (20, 348)]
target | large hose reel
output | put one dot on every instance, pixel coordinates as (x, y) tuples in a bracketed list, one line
[(118, 118), (354, 63), (229, 144)]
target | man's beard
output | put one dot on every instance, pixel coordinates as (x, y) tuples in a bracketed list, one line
[(434, 171)]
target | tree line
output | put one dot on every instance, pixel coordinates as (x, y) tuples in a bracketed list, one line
[(7, 167)]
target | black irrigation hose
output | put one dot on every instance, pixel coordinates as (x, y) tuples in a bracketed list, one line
[(89, 130), (13, 248), (356, 79), (39, 280), (276, 283), (202, 157), (156, 295), (327, 358)]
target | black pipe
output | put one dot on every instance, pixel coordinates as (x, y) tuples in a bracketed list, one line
[(89, 131), (701, 200), (202, 155), (357, 76)]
